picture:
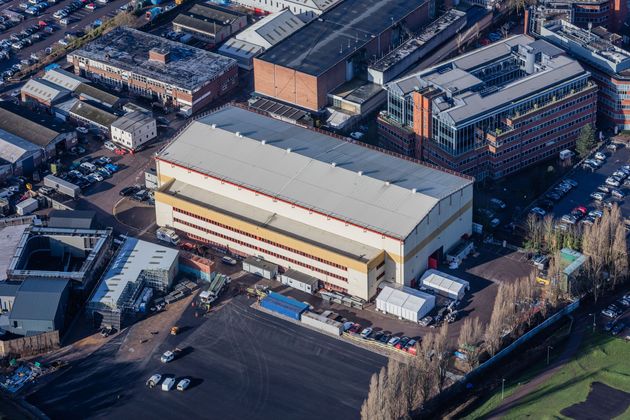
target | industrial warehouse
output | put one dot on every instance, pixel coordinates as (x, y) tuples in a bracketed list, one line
[(350, 215)]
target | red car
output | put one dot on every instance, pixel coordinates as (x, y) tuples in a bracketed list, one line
[(120, 151), (356, 328), (581, 209)]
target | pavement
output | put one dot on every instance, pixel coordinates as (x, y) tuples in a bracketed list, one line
[(81, 18), (242, 363)]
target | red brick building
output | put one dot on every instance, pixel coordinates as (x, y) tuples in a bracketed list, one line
[(335, 48), (168, 72)]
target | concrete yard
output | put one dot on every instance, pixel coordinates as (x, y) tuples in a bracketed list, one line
[(242, 364)]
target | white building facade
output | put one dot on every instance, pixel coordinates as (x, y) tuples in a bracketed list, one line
[(335, 221), (134, 130)]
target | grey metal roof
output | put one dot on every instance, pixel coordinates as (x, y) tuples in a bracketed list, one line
[(88, 92), (129, 121), (38, 299), (44, 90), (64, 78), (271, 29), (10, 237), (128, 49), (14, 148), (337, 34), (347, 180), (36, 127), (301, 277), (75, 219), (9, 288), (456, 77), (133, 257)]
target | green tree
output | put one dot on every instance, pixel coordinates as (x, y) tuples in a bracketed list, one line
[(585, 141)]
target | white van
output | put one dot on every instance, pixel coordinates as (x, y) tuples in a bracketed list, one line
[(89, 166), (168, 384), (167, 235), (109, 146)]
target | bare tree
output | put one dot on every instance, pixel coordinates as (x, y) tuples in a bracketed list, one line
[(619, 255), (550, 237), (469, 340), (442, 355), (533, 241)]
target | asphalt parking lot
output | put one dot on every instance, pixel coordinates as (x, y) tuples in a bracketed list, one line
[(242, 364), (80, 19), (589, 181)]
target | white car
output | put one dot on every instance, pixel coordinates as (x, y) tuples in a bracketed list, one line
[(366, 332), (600, 156), (229, 261), (538, 211), (96, 176), (599, 196), (82, 130), (109, 146), (357, 135), (183, 384), (167, 356), (612, 182), (168, 384)]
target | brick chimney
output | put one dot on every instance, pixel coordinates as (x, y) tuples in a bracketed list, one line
[(160, 55)]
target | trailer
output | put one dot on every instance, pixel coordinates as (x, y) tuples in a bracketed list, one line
[(26, 207), (62, 186)]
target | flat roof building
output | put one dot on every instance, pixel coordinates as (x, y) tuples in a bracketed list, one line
[(152, 66), (133, 130), (340, 211), (333, 49), (210, 23), (85, 114), (609, 66), (492, 111), (40, 306)]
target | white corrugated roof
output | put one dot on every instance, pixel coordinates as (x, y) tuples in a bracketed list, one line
[(443, 282), (14, 148), (44, 90), (134, 257), (405, 297), (342, 179), (64, 79), (271, 29)]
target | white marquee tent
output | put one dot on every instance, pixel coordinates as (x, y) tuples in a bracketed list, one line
[(405, 302), (451, 286)]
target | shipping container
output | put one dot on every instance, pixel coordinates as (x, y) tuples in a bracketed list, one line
[(322, 323)]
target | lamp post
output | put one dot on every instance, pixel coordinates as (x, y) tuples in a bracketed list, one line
[(502, 388), (548, 348)]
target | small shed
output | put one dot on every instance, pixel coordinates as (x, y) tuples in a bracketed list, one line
[(260, 267), (445, 284), (405, 302), (300, 281)]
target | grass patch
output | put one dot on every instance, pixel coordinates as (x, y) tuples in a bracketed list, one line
[(601, 357)]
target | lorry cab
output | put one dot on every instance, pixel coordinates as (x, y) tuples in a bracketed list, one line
[(167, 235)]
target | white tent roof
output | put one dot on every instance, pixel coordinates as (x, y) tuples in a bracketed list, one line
[(407, 298), (444, 282)]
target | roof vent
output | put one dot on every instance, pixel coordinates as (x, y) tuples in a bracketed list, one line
[(334, 164), (238, 133), (387, 182), (414, 190), (360, 173), (213, 126), (263, 142), (289, 150)]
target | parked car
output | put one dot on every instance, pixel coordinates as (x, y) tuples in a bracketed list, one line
[(619, 326), (385, 338), (596, 213), (366, 332), (600, 156), (127, 191), (599, 196), (608, 313), (183, 384), (355, 329), (498, 204), (612, 182), (377, 336), (357, 135), (617, 193), (168, 356), (604, 188), (538, 211), (571, 182), (393, 341), (402, 343), (410, 344), (228, 260), (109, 146), (426, 321)]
